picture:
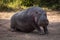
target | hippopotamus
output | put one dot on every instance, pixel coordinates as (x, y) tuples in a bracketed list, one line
[(30, 19)]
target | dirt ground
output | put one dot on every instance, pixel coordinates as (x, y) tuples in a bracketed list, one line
[(53, 27)]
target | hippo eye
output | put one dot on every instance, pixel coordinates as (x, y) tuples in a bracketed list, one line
[(36, 12)]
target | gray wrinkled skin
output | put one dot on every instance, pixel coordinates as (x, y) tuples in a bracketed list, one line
[(30, 19)]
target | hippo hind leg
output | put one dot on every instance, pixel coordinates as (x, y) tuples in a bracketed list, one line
[(13, 25)]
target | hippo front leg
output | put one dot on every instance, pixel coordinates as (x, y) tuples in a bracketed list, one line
[(45, 29), (38, 29)]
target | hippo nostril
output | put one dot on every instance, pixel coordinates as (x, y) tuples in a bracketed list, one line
[(45, 20)]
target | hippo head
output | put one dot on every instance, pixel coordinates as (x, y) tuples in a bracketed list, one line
[(40, 16)]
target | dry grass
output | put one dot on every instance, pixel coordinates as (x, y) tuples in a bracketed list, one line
[(6, 15)]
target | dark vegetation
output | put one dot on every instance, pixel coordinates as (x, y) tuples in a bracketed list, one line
[(14, 5)]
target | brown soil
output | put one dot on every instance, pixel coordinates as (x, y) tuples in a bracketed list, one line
[(53, 27)]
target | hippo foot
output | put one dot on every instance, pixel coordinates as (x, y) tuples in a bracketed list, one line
[(46, 33), (41, 33), (12, 30)]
